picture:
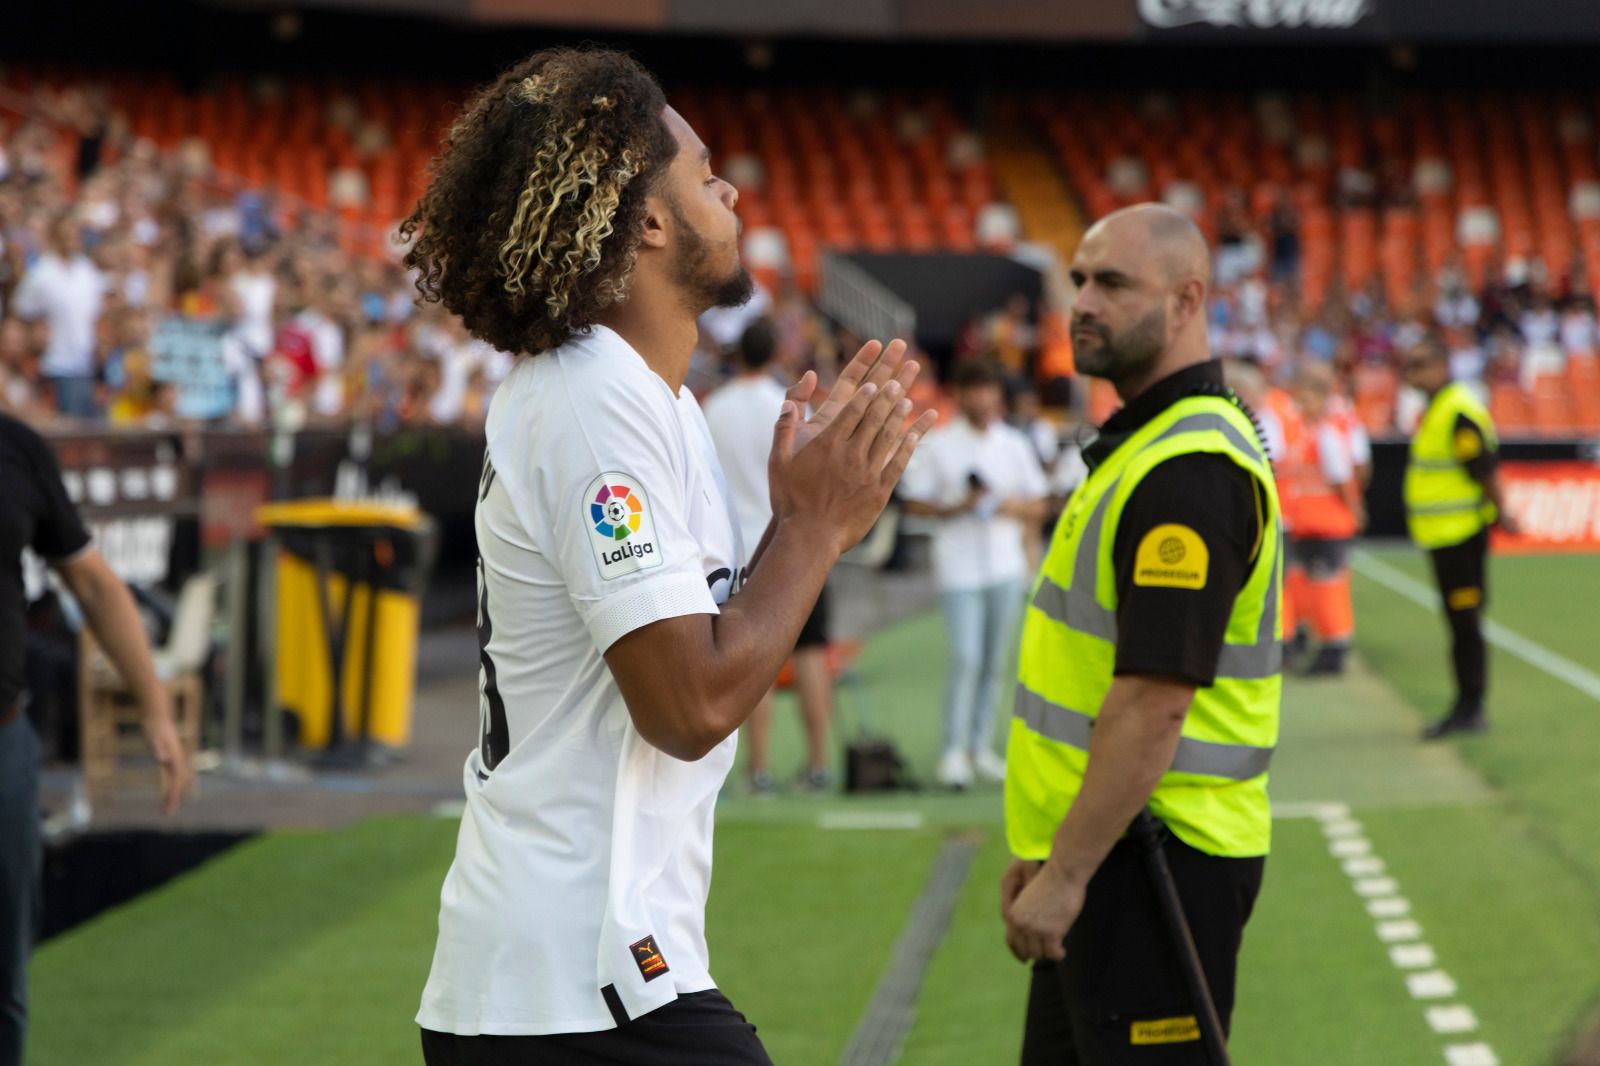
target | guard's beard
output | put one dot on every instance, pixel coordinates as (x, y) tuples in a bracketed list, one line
[(1125, 357)]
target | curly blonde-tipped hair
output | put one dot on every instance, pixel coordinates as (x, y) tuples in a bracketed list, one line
[(530, 226)]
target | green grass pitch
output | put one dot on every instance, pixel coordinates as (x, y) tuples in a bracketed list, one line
[(307, 949)]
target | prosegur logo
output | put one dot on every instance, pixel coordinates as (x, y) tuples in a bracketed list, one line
[(624, 537)]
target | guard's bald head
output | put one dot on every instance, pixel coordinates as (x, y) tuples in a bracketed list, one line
[(1139, 312), (1165, 234)]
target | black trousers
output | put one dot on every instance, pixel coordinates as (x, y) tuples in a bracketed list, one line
[(1119, 996), (1462, 574), (696, 1029), (20, 859)]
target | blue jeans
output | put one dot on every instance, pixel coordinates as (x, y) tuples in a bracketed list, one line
[(19, 878), (981, 623), (74, 396)]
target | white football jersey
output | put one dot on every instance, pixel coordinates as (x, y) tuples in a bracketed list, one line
[(577, 896)]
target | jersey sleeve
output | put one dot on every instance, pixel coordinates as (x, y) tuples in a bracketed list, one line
[(58, 532), (1184, 546), (617, 515)]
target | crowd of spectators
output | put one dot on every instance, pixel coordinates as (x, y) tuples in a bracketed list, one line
[(138, 287)]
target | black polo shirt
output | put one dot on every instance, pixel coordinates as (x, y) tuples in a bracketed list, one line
[(1174, 626), (1471, 448), (34, 513)]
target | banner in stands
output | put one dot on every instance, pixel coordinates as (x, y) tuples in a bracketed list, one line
[(1346, 18), (191, 355), (1557, 506)]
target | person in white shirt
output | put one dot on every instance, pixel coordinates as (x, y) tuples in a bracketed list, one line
[(624, 634), (65, 289), (740, 415), (981, 480)]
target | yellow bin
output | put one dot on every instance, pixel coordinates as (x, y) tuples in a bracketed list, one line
[(382, 547)]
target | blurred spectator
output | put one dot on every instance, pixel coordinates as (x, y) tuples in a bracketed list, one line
[(65, 289), (741, 415), (980, 480)]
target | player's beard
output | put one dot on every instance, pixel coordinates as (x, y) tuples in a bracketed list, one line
[(1126, 356), (704, 287)]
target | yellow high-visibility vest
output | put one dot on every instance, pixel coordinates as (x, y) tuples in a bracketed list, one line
[(1445, 505), (1214, 797)]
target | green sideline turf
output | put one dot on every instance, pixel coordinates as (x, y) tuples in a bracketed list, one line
[(311, 948)]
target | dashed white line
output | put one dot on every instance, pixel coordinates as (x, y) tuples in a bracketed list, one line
[(1403, 930), (1412, 956), (1452, 1019), (1351, 847), (1431, 984), (1471, 1055), (1364, 866), (1394, 907), (1425, 981)]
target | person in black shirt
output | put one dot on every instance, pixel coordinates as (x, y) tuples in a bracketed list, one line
[(1106, 985), (37, 514)]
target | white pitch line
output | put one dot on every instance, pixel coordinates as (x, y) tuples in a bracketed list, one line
[(1402, 934), (1413, 957), (1365, 866), (1471, 1055), (1350, 847), (1431, 984), (1394, 907), (1452, 1019), (870, 820), (1395, 932), (1529, 651)]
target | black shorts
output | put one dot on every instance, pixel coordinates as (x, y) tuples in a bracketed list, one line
[(696, 1029), (1462, 572), (1119, 996), (814, 633), (1322, 559)]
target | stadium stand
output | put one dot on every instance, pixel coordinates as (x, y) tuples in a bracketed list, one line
[(1329, 214)]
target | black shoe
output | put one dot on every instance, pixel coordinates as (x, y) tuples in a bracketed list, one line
[(1470, 721), (1328, 663)]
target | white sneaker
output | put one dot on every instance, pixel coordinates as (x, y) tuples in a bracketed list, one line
[(955, 770), (988, 766)]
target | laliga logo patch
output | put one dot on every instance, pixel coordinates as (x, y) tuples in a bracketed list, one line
[(624, 537)]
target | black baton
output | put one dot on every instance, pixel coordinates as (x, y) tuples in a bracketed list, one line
[(1151, 832)]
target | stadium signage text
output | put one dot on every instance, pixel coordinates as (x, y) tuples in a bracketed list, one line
[(1256, 14), (1557, 506)]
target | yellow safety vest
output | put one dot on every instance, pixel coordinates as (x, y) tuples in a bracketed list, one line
[(1215, 795), (1445, 505)]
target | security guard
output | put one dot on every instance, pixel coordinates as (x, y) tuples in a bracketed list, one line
[(1150, 672), (1452, 497)]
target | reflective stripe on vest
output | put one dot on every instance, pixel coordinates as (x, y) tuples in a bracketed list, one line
[(1236, 762), (1214, 793)]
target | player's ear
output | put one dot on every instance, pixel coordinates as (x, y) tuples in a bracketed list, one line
[(657, 217)]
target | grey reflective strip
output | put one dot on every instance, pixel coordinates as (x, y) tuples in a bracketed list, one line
[(1250, 662), (1077, 612), (1436, 464), (1449, 508), (1236, 762)]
